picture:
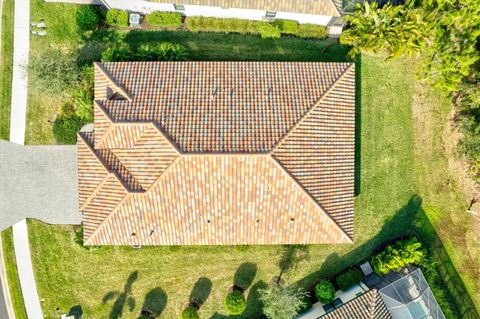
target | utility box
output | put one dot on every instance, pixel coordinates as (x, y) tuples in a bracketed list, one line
[(135, 19)]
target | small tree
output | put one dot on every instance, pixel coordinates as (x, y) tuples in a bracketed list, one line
[(281, 302), (325, 292), (235, 302), (87, 18)]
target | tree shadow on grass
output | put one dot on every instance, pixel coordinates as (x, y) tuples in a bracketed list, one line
[(200, 292), (292, 255), (245, 275), (122, 297), (155, 302)]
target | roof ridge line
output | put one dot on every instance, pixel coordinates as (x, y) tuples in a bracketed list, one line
[(101, 67), (166, 137), (103, 222), (102, 109), (97, 229), (307, 113), (104, 165), (310, 196)]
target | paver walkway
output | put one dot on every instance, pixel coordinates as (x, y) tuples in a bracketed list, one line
[(25, 271), (21, 46)]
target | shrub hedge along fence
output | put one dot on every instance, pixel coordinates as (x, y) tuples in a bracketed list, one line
[(117, 18), (165, 19), (349, 278)]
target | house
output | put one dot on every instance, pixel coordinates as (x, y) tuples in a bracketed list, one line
[(397, 296), (219, 153), (321, 12)]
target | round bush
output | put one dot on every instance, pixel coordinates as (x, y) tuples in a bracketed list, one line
[(86, 17), (325, 292), (165, 19), (66, 127), (190, 313), (117, 17), (235, 302)]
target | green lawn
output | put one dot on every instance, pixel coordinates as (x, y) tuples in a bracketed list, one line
[(12, 275), (386, 208), (403, 186), (6, 64)]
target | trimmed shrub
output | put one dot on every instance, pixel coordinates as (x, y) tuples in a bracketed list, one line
[(231, 25), (165, 19), (268, 30), (398, 255), (235, 302), (311, 31), (66, 127), (117, 17), (324, 291), (286, 26), (349, 278), (87, 18), (190, 313)]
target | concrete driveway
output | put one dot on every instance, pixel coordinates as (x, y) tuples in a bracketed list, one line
[(38, 182)]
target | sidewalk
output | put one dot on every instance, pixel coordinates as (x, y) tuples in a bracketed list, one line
[(21, 46), (25, 270)]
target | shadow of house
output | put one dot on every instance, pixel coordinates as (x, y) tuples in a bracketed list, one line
[(393, 228), (200, 292), (155, 302), (122, 298), (358, 125), (245, 275)]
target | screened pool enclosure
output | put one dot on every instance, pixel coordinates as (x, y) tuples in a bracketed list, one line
[(410, 297)]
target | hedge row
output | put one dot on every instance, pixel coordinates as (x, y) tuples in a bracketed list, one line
[(265, 29), (165, 19), (231, 25), (306, 31)]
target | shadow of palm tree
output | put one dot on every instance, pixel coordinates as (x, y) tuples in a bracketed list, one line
[(200, 292), (245, 275), (155, 302), (291, 256), (123, 297)]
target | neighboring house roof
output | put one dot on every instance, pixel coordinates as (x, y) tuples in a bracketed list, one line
[(318, 7), (367, 306), (219, 153)]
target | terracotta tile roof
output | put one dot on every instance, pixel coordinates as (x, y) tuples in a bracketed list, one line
[(320, 7), (368, 306), (271, 162)]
